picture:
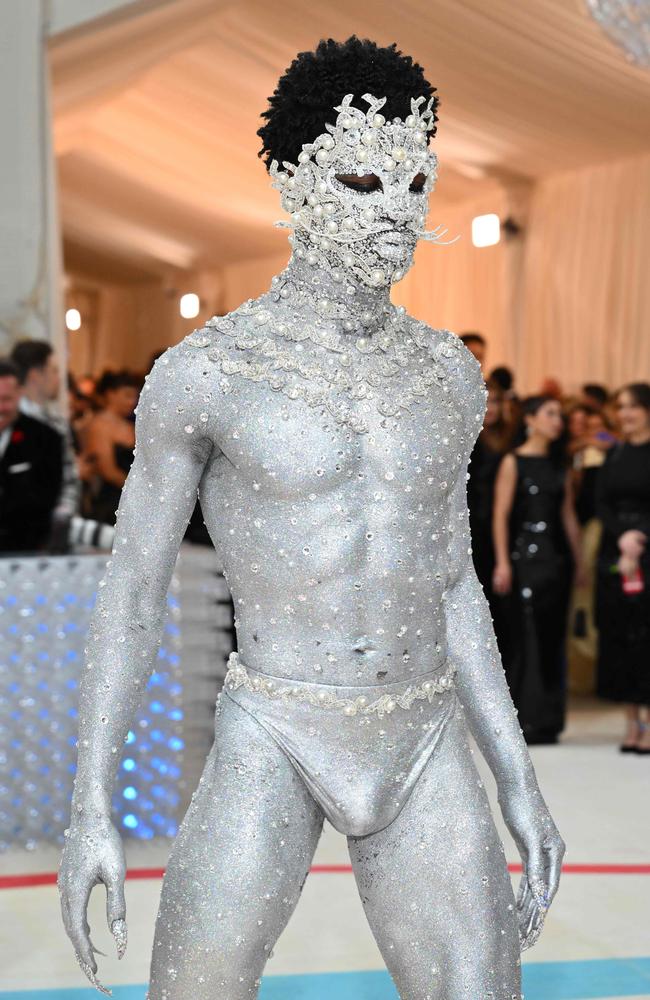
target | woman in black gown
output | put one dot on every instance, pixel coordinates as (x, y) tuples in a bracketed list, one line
[(623, 582), (537, 548)]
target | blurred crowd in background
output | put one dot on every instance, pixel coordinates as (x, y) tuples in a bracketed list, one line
[(558, 495), (82, 472), (559, 502)]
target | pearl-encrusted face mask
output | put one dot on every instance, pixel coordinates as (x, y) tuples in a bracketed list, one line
[(359, 192)]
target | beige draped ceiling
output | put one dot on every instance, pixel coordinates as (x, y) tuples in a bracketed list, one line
[(542, 119)]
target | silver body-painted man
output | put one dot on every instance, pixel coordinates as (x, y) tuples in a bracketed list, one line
[(328, 436)]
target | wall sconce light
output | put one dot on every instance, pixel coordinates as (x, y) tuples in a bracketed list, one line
[(190, 305), (72, 319), (486, 230)]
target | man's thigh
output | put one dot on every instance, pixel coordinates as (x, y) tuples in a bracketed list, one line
[(436, 889), (236, 868)]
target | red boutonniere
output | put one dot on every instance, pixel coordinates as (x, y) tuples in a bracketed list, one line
[(17, 436)]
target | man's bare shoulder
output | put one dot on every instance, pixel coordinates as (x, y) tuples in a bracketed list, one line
[(191, 357), (220, 329), (458, 367), (445, 345), (174, 369), (179, 395)]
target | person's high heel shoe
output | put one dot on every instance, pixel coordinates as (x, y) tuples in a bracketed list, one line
[(642, 751), (631, 744)]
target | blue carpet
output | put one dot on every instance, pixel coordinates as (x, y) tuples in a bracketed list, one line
[(588, 980)]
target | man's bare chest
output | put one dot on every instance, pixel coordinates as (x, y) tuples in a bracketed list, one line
[(301, 412), (284, 448)]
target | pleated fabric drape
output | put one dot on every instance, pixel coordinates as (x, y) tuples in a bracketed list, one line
[(586, 287)]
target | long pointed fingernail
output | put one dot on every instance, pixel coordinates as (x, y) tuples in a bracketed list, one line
[(118, 930), (533, 935), (92, 978)]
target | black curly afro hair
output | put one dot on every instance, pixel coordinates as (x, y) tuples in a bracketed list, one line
[(316, 82)]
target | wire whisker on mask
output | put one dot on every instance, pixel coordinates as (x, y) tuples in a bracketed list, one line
[(435, 236)]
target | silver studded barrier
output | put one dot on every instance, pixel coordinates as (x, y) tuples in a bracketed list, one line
[(45, 607)]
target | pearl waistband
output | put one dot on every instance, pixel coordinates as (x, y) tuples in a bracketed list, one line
[(401, 694)]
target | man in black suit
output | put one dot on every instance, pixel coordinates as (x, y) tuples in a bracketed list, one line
[(31, 470)]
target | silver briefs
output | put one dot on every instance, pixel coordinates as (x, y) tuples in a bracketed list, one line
[(358, 750)]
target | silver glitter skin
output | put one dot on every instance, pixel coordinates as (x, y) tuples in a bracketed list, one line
[(328, 435)]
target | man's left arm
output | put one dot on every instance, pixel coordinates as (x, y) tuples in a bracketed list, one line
[(484, 693), (480, 678)]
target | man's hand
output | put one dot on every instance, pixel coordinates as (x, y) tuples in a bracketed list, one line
[(93, 853), (542, 849)]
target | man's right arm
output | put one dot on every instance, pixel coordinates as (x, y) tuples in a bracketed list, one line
[(172, 447), (173, 444)]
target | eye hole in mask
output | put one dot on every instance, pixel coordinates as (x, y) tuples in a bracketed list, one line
[(370, 183), (365, 184), (417, 184)]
